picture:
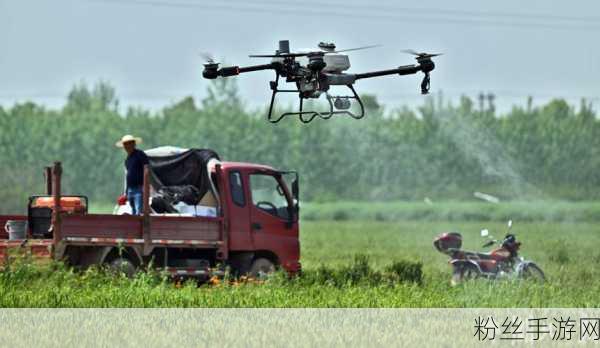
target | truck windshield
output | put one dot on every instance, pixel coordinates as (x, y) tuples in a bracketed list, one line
[(268, 195)]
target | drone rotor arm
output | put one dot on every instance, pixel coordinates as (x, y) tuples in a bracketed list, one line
[(425, 65), (258, 67), (212, 71), (402, 70)]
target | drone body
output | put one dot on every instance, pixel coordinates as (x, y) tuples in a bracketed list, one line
[(314, 72)]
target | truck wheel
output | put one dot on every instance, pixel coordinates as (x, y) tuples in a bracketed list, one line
[(123, 265), (261, 268)]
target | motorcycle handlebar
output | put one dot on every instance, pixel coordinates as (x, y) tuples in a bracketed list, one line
[(489, 243)]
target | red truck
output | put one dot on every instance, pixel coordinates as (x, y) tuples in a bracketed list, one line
[(254, 231)]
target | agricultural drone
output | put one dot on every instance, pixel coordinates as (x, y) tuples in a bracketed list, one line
[(313, 72)]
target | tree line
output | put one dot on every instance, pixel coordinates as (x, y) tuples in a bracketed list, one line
[(439, 151)]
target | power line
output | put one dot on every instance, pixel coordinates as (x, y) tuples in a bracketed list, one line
[(429, 11), (278, 10)]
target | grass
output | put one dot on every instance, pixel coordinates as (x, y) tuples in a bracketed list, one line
[(547, 211), (346, 264), (454, 211)]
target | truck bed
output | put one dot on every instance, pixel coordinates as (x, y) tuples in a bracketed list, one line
[(127, 229), (104, 229)]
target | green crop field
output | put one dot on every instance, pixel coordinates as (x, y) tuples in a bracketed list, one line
[(346, 264)]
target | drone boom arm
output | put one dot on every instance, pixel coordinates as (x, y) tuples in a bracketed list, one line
[(256, 68), (403, 70), (425, 65), (211, 71)]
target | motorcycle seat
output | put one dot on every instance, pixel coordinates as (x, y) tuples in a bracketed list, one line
[(483, 256)]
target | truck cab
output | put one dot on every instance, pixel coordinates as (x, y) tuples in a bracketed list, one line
[(262, 204)]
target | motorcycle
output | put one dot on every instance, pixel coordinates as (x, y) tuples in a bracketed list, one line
[(501, 262)]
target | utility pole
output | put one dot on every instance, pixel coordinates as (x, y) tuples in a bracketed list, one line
[(481, 97), (490, 98)]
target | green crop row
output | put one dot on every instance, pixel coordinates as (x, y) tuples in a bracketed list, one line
[(345, 264), (550, 211)]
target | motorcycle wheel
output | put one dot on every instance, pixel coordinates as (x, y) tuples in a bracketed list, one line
[(464, 272), (533, 272)]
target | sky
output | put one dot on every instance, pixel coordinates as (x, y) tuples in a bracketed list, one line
[(150, 50)]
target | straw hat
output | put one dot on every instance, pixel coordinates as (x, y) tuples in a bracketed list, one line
[(127, 138)]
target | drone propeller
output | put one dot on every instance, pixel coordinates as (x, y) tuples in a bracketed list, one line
[(354, 49), (312, 53), (208, 58), (422, 55), (281, 55)]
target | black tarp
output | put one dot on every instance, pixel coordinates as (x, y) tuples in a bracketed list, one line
[(187, 168)]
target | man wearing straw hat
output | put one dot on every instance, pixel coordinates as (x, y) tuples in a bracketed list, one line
[(134, 163)]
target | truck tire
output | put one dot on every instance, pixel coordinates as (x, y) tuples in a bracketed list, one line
[(261, 268), (122, 265), (240, 263)]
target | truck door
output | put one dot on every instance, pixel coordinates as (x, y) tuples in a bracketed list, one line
[(269, 211), (240, 238)]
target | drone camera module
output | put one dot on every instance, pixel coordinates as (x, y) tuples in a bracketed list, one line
[(342, 103)]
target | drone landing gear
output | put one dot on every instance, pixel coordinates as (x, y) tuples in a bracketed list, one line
[(338, 105)]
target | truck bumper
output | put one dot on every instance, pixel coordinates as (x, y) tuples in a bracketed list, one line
[(292, 267)]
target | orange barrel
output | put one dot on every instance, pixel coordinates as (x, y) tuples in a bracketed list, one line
[(67, 204)]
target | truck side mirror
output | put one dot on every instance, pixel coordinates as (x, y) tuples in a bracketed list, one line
[(296, 191), (294, 211)]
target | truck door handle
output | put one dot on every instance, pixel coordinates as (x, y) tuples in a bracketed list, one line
[(256, 226)]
